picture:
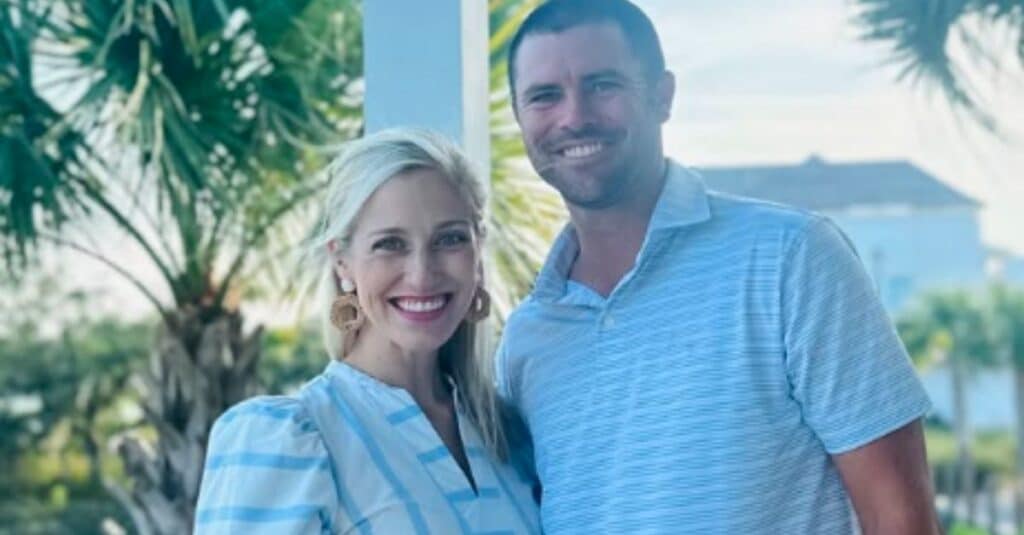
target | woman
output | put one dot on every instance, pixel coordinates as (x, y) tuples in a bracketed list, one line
[(402, 432)]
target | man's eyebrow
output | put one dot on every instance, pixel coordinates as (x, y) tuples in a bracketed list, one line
[(537, 88), (605, 73)]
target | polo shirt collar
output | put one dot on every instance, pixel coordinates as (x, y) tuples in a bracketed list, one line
[(683, 202)]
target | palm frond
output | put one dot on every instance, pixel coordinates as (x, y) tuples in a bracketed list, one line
[(918, 35), (218, 105), (525, 212), (37, 153)]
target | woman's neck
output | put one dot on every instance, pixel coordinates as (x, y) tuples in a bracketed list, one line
[(416, 372)]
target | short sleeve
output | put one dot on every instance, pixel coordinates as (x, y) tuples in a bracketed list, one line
[(848, 368), (267, 471)]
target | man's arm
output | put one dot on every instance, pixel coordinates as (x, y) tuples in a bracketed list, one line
[(889, 484), (855, 383)]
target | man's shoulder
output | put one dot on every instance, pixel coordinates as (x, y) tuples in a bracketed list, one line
[(533, 327), (521, 314), (729, 209)]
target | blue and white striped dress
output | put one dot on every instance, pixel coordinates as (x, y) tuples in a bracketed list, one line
[(350, 454)]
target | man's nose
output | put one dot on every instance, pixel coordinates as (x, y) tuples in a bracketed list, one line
[(575, 112)]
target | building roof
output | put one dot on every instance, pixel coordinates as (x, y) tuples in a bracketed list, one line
[(819, 185)]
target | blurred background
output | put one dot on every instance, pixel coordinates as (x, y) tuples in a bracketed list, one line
[(158, 167)]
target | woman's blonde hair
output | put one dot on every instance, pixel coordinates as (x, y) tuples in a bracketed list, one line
[(353, 176)]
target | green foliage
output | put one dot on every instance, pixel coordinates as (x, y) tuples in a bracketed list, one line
[(525, 212), (982, 328), (291, 357), (195, 131), (948, 324), (1006, 307), (965, 529), (37, 152), (993, 451), (65, 393)]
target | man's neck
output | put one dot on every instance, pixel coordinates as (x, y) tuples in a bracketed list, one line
[(610, 238)]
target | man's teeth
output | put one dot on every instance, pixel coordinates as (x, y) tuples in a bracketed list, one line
[(421, 305), (582, 151)]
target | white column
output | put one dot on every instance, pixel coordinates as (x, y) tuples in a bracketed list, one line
[(426, 64)]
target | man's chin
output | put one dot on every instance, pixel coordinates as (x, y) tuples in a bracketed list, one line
[(591, 193), (589, 199)]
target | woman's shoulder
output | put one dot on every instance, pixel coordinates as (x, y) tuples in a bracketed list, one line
[(266, 467), (271, 423)]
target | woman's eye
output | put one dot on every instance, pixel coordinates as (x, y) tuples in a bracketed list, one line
[(389, 244), (452, 239)]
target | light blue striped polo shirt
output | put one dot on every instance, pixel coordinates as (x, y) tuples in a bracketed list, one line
[(706, 392), (350, 454)]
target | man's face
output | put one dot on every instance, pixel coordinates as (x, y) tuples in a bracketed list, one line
[(591, 121)]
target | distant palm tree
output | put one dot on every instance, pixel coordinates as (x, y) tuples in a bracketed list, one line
[(949, 327), (1007, 320), (195, 127), (919, 32)]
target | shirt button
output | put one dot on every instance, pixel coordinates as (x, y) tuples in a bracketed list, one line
[(608, 322)]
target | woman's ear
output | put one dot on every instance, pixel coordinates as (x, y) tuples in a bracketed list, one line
[(338, 265), (480, 272)]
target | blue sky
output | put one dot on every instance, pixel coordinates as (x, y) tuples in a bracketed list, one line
[(773, 82)]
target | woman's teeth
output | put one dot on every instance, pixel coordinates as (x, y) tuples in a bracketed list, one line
[(420, 305)]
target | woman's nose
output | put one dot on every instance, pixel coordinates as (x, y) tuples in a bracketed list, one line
[(421, 269)]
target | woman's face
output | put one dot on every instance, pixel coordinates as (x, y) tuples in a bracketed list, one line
[(414, 257)]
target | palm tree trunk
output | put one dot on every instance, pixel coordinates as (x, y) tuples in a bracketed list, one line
[(1018, 499), (961, 427), (201, 364), (92, 451)]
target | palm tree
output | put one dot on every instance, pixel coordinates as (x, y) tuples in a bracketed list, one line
[(525, 212), (918, 34), (948, 327), (193, 129), (1007, 312)]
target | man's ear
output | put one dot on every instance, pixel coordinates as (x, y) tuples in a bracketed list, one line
[(664, 94)]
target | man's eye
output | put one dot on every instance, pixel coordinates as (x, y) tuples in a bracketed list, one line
[(604, 86), (389, 244), (545, 97)]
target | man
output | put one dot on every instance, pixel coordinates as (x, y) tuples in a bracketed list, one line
[(690, 362)]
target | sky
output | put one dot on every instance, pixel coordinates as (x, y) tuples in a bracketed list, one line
[(775, 82)]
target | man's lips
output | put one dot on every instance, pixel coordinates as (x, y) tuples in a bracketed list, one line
[(583, 150)]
